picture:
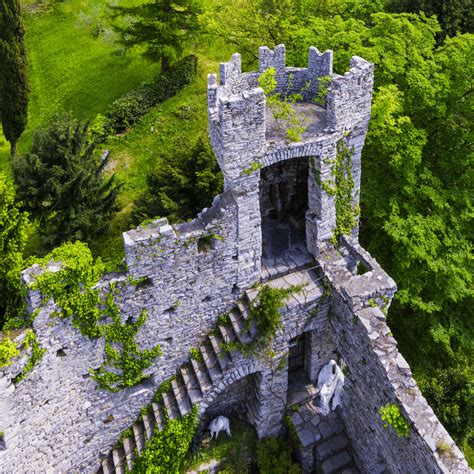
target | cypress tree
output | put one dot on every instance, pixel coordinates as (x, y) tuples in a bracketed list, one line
[(13, 74), (163, 27)]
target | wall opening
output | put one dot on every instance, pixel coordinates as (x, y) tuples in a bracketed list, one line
[(283, 206)]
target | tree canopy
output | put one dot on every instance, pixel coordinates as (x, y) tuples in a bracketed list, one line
[(61, 183), (163, 28)]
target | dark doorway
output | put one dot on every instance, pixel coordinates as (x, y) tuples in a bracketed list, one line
[(296, 354), (283, 206)]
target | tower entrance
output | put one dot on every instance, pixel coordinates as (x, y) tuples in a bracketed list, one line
[(283, 206)]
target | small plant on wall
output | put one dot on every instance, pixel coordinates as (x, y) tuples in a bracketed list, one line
[(285, 115), (391, 416)]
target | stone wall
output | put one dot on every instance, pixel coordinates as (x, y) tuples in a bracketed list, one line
[(377, 374)]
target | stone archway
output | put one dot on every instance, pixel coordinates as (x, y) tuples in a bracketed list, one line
[(283, 194)]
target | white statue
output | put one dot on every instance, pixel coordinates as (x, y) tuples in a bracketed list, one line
[(330, 383), (221, 423)]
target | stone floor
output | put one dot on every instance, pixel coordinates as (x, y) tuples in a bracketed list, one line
[(323, 444), (284, 247), (313, 118)]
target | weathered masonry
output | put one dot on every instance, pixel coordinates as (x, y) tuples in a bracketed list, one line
[(275, 222)]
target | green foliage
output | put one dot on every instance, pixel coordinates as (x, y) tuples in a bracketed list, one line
[(323, 89), (182, 185), (128, 109), (124, 361), (286, 117), (344, 186), (72, 286), (254, 166), (14, 88), (237, 451), (164, 28), (450, 393), (391, 416), (455, 16), (195, 354), (14, 227), (167, 449), (274, 457), (61, 183), (264, 311), (8, 351), (37, 353)]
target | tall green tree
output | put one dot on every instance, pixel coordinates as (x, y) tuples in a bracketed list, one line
[(61, 183), (182, 185), (13, 72), (13, 236), (164, 28), (454, 16)]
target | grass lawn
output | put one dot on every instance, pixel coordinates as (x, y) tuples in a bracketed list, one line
[(70, 69)]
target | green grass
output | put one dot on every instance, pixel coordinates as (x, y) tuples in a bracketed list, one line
[(237, 450), (71, 70)]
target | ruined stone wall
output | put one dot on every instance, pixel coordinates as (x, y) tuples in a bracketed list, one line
[(377, 374)]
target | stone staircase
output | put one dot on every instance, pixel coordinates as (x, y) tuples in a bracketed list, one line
[(192, 382), (322, 441), (196, 378)]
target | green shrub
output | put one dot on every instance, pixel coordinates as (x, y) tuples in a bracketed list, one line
[(8, 351), (37, 353), (166, 451), (274, 457), (127, 110)]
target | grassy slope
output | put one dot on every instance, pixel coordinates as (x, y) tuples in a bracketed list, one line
[(69, 69)]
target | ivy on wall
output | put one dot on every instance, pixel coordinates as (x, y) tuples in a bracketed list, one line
[(74, 290), (124, 362), (37, 353), (8, 351), (166, 450)]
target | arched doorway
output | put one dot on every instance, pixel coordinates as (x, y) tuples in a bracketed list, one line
[(283, 204)]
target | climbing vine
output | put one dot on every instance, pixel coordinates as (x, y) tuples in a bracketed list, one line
[(37, 353), (344, 185), (166, 450), (391, 416), (264, 312), (8, 351), (73, 288), (124, 362)]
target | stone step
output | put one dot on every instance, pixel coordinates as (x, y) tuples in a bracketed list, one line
[(243, 307), (181, 396), (227, 333), (118, 455), (148, 423), (158, 414), (171, 406), (108, 465), (202, 376), (138, 432), (238, 325), (331, 446), (192, 384), (128, 447), (210, 361), (222, 356), (335, 463)]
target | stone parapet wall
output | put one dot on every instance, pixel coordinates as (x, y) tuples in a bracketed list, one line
[(377, 375)]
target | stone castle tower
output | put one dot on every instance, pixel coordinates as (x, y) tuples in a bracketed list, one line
[(275, 223)]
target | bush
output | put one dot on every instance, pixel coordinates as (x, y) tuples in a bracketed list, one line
[(181, 186), (274, 457), (126, 110), (8, 351)]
